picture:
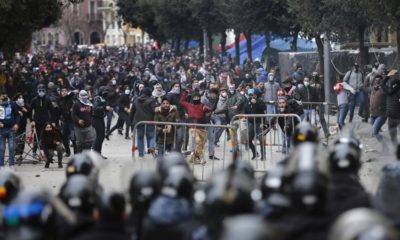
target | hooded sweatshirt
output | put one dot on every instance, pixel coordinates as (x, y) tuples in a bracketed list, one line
[(143, 108)]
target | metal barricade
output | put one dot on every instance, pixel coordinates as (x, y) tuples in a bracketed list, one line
[(318, 112), (271, 132), (167, 136)]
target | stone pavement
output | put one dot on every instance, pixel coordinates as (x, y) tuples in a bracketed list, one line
[(120, 165)]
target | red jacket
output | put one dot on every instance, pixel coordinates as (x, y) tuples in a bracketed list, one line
[(196, 113)]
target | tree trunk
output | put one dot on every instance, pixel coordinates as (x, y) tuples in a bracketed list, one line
[(398, 45), (294, 41), (223, 43), (364, 56), (237, 48), (210, 45), (178, 46), (249, 45), (267, 49), (320, 48), (187, 40)]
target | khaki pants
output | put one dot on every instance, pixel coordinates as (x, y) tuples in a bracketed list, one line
[(199, 136)]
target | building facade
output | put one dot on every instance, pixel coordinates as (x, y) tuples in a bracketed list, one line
[(81, 24)]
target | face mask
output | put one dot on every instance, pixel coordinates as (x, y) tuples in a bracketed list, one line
[(127, 91), (232, 91), (271, 78), (114, 82), (196, 102), (20, 102), (224, 94), (241, 92), (177, 90), (41, 93), (281, 109), (306, 84)]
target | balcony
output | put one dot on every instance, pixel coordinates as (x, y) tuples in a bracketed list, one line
[(94, 17)]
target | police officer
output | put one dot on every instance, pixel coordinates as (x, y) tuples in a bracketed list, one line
[(109, 215)]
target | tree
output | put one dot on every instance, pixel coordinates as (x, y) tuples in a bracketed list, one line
[(20, 18), (352, 16), (208, 15), (310, 13), (391, 10)]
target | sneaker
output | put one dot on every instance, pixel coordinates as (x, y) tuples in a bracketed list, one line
[(46, 165), (102, 156), (60, 165), (212, 157), (67, 155), (128, 138), (120, 132), (107, 137), (12, 168)]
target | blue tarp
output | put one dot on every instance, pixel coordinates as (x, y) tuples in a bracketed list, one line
[(278, 44)]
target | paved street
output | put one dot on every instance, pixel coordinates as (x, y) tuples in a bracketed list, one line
[(120, 166)]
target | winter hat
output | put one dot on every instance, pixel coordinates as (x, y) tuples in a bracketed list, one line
[(213, 90), (147, 91)]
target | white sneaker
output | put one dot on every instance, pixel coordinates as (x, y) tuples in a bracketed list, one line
[(12, 168)]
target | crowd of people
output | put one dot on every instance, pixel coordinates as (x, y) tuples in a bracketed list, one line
[(314, 193), (78, 91)]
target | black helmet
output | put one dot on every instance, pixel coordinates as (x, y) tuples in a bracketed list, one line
[(30, 216), (143, 188), (308, 181), (247, 227), (228, 195), (387, 195), (243, 167), (344, 158), (79, 194), (351, 141), (362, 224), (169, 160), (305, 132), (10, 184), (274, 187), (111, 206), (178, 183), (84, 163)]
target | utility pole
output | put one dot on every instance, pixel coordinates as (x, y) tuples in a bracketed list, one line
[(205, 43), (327, 72)]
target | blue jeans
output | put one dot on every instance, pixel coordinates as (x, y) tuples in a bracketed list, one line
[(147, 131), (168, 148), (359, 96), (218, 132), (9, 135), (68, 134), (211, 140), (343, 109), (109, 116), (377, 123)]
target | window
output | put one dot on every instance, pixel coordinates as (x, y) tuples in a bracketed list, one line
[(75, 9)]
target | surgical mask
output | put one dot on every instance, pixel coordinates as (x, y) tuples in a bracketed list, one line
[(41, 93), (271, 78), (114, 82), (242, 92), (232, 90), (20, 102), (176, 90), (306, 84), (224, 94), (127, 91), (281, 109)]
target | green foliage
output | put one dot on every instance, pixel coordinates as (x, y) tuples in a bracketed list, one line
[(20, 18)]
